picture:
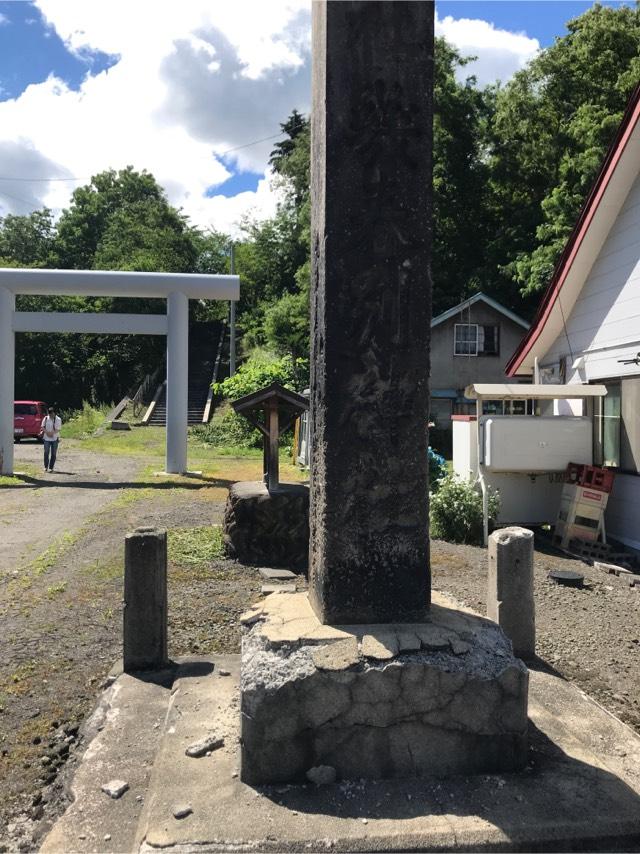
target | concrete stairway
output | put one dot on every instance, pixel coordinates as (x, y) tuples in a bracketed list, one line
[(203, 343)]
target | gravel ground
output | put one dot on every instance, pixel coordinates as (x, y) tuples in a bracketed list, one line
[(61, 615), (591, 636)]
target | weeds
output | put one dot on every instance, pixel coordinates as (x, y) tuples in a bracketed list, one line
[(54, 589), (82, 422), (195, 547)]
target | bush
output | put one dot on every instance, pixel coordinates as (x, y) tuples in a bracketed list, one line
[(260, 371), (227, 428), (437, 469), (456, 511)]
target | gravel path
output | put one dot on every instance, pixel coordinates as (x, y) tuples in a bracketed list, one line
[(33, 514), (61, 612)]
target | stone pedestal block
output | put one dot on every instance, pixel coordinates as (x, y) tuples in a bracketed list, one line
[(268, 528), (510, 587), (442, 697)]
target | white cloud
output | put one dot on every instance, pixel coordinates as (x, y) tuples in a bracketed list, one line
[(500, 53), (192, 80), (3, 19), (146, 111)]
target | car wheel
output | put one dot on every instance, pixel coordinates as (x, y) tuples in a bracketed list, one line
[(16, 440), (40, 440)]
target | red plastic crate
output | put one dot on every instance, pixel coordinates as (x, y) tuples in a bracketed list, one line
[(594, 477)]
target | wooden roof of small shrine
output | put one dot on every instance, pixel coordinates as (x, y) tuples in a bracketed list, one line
[(285, 399)]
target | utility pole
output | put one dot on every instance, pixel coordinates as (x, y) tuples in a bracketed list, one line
[(232, 323)]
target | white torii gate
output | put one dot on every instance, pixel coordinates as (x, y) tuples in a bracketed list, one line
[(176, 288)]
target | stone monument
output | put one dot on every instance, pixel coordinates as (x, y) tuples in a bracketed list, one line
[(365, 676)]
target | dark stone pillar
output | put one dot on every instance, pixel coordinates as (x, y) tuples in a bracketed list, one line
[(145, 600), (371, 309)]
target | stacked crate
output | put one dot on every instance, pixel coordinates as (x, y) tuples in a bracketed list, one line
[(582, 504)]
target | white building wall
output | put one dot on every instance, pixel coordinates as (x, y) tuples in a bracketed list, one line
[(604, 325), (602, 329)]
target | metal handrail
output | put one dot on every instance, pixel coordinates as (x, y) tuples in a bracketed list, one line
[(216, 370), (139, 400)]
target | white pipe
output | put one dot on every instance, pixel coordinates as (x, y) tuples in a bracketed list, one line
[(177, 382), (536, 371), (7, 372), (118, 283), (481, 480)]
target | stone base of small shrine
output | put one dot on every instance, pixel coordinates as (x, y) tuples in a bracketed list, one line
[(268, 528), (442, 697)]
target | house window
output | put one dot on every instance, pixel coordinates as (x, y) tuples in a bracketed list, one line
[(465, 339), (489, 341), (474, 339), (508, 407), (616, 426), (606, 427)]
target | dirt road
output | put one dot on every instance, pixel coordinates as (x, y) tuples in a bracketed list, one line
[(35, 513)]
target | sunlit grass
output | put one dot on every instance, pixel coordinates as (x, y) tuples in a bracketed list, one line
[(84, 422), (195, 547)]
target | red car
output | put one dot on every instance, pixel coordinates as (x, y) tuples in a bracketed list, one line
[(27, 419)]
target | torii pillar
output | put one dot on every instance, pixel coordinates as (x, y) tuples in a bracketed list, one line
[(7, 370)]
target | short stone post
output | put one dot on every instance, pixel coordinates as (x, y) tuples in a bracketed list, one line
[(145, 600), (510, 588)]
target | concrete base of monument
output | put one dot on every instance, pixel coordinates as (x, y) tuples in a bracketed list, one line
[(442, 697), (268, 528), (580, 790)]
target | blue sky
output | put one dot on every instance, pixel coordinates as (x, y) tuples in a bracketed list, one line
[(85, 86), (541, 20)]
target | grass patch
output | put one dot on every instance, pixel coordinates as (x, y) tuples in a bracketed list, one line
[(52, 553), (54, 589), (25, 474), (130, 496), (106, 570), (83, 422), (195, 547)]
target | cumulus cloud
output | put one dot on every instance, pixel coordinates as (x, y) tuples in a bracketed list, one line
[(500, 53), (137, 113), (208, 93), (192, 85), (19, 157)]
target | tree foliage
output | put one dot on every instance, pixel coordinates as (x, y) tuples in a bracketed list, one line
[(512, 166), (553, 123), (119, 221)]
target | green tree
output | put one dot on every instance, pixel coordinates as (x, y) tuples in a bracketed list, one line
[(553, 123), (83, 225), (120, 220), (149, 236), (462, 112), (26, 241)]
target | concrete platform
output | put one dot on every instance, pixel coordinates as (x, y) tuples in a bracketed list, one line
[(580, 791)]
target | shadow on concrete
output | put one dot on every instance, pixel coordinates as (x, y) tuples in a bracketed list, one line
[(557, 803)]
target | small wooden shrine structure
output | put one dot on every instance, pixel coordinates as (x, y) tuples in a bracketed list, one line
[(272, 410)]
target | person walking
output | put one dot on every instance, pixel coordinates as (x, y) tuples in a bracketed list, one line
[(51, 425)]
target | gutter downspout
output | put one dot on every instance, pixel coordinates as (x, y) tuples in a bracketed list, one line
[(483, 485)]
